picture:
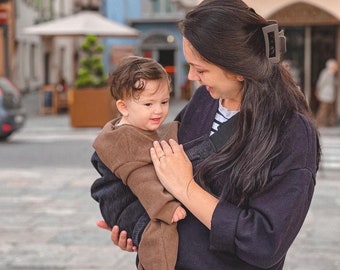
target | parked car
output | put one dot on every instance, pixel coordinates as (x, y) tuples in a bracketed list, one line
[(12, 114)]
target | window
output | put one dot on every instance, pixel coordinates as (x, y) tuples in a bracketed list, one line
[(162, 6)]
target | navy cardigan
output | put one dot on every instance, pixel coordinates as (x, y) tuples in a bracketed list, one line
[(257, 237)]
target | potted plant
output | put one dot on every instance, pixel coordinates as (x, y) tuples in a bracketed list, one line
[(90, 102)]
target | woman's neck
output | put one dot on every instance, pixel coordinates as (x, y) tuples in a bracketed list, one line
[(231, 104)]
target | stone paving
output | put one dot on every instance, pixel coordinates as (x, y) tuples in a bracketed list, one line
[(47, 219)]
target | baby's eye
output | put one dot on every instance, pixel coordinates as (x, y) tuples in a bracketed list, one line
[(148, 104), (165, 102)]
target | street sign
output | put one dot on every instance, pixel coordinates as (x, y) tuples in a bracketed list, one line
[(3, 15)]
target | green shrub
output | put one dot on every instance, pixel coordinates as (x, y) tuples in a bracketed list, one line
[(91, 72)]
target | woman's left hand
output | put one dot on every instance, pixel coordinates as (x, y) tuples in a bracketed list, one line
[(174, 170), (172, 166)]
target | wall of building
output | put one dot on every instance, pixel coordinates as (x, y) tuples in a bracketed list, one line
[(316, 25), (30, 69), (152, 22), (121, 11), (7, 45), (268, 7), (26, 67)]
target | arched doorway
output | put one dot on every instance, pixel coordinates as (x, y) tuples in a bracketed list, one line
[(162, 47)]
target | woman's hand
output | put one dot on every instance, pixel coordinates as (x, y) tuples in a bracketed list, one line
[(174, 171), (119, 239), (172, 166)]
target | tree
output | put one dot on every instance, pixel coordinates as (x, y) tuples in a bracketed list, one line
[(91, 72)]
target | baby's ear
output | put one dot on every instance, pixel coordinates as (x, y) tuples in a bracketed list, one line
[(122, 107)]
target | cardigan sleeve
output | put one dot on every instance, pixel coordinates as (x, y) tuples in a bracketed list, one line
[(261, 234), (118, 205)]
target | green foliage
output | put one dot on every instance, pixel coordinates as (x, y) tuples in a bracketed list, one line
[(91, 72)]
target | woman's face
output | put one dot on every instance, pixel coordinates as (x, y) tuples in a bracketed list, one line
[(218, 82)]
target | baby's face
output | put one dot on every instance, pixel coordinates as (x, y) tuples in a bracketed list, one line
[(151, 108)]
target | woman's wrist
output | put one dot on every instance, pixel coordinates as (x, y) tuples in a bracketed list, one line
[(188, 189), (199, 202)]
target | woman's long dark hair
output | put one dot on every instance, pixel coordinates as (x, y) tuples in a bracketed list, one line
[(229, 34)]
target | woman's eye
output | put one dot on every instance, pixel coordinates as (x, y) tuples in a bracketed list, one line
[(200, 72)]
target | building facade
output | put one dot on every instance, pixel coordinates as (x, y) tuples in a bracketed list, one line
[(42, 60), (7, 40), (312, 28), (160, 38), (33, 61)]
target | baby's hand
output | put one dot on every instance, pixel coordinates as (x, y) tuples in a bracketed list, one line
[(179, 214)]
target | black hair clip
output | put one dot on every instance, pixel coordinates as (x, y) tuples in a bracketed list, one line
[(275, 41)]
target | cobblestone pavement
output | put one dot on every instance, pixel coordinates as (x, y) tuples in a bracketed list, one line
[(47, 218)]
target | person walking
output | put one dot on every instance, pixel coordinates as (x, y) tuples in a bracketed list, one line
[(326, 93)]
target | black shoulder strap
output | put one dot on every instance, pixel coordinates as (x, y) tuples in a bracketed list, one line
[(224, 132), (199, 149)]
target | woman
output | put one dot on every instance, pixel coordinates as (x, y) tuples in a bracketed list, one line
[(247, 202)]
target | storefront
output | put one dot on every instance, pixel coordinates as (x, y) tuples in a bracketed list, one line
[(312, 28)]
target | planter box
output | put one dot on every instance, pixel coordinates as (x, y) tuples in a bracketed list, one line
[(91, 107)]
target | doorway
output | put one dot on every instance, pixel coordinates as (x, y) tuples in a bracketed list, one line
[(323, 46), (295, 37), (162, 48), (166, 59)]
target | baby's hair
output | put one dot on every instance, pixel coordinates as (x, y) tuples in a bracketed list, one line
[(128, 79)]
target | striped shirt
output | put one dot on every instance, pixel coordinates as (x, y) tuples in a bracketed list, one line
[(222, 115)]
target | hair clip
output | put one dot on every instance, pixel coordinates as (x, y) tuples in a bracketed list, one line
[(275, 41)]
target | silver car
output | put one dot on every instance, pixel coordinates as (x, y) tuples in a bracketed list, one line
[(12, 114)]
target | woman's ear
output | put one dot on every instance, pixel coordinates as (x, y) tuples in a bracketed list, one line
[(122, 107), (239, 78), (234, 76)]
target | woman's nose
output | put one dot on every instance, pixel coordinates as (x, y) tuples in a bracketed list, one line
[(192, 76)]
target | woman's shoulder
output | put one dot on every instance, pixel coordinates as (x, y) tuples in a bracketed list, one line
[(299, 130), (299, 143), (303, 124)]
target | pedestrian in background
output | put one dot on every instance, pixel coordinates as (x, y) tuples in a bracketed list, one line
[(326, 93)]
